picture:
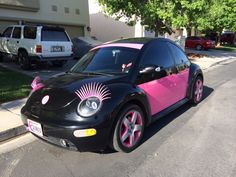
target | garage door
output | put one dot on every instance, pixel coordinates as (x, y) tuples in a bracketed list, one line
[(74, 31), (4, 24)]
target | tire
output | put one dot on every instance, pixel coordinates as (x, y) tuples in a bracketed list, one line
[(126, 125), (197, 91), (198, 47), (58, 63), (24, 60)]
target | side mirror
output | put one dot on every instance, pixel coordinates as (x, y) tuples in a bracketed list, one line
[(149, 69)]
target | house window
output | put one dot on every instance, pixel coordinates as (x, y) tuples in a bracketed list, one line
[(67, 10), (54, 8), (77, 11)]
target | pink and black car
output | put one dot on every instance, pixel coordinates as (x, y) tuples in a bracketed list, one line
[(112, 94)]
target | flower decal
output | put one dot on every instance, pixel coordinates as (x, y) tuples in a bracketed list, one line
[(93, 90)]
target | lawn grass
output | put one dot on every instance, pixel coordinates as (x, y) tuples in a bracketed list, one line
[(226, 47), (13, 85)]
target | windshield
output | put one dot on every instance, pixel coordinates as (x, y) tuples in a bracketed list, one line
[(107, 60)]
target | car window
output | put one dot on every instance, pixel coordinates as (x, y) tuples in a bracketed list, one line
[(179, 55), (30, 32), (107, 60), (157, 54), (7, 32), (16, 33), (53, 35)]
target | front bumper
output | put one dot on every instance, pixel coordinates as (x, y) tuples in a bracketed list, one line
[(55, 134)]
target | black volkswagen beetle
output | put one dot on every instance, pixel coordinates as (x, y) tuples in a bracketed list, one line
[(112, 94)]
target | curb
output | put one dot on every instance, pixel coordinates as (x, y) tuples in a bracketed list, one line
[(12, 133), (223, 61)]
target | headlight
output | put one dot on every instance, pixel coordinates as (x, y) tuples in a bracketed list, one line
[(89, 106)]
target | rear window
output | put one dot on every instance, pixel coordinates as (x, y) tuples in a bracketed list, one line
[(30, 32), (53, 35)]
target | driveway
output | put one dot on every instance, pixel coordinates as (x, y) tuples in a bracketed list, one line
[(45, 71), (189, 142)]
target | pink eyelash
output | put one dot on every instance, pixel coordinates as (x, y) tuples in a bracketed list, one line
[(93, 90), (36, 85)]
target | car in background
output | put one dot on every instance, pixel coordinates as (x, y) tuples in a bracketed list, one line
[(36, 44), (227, 37), (199, 43), (81, 45)]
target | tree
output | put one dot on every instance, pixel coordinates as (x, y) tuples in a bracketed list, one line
[(221, 15), (189, 13), (151, 13), (161, 15), (158, 15)]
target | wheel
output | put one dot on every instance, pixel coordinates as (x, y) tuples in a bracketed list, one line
[(129, 129), (58, 63), (24, 60), (198, 47), (197, 90)]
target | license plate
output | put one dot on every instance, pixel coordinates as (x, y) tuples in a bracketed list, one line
[(57, 49), (35, 127)]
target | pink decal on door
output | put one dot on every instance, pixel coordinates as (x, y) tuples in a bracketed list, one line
[(161, 93), (182, 83)]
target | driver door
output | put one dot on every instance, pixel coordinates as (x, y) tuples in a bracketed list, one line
[(158, 83)]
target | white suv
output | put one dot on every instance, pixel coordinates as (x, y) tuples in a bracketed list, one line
[(35, 44)]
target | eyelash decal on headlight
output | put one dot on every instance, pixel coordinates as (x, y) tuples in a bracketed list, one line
[(93, 90)]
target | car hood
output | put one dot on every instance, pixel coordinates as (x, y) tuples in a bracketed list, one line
[(60, 90)]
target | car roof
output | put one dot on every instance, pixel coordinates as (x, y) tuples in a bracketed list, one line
[(46, 27), (141, 40), (135, 43)]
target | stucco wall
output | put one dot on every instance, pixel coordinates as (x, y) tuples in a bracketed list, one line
[(106, 28), (45, 14), (27, 5)]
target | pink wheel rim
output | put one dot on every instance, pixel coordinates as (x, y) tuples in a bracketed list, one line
[(198, 90), (131, 128)]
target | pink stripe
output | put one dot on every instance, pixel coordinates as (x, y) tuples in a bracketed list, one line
[(128, 45)]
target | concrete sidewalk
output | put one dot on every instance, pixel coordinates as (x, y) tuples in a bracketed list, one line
[(10, 122), (212, 58)]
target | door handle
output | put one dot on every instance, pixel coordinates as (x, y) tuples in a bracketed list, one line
[(17, 42)]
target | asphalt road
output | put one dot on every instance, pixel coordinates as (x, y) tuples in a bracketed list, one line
[(190, 142)]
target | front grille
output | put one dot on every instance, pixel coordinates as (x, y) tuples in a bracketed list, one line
[(57, 142)]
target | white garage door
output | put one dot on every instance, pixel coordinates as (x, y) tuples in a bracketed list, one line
[(74, 31)]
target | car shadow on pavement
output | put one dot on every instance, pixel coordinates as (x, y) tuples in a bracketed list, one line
[(164, 121)]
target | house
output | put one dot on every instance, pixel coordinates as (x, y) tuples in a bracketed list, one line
[(106, 28), (73, 15)]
